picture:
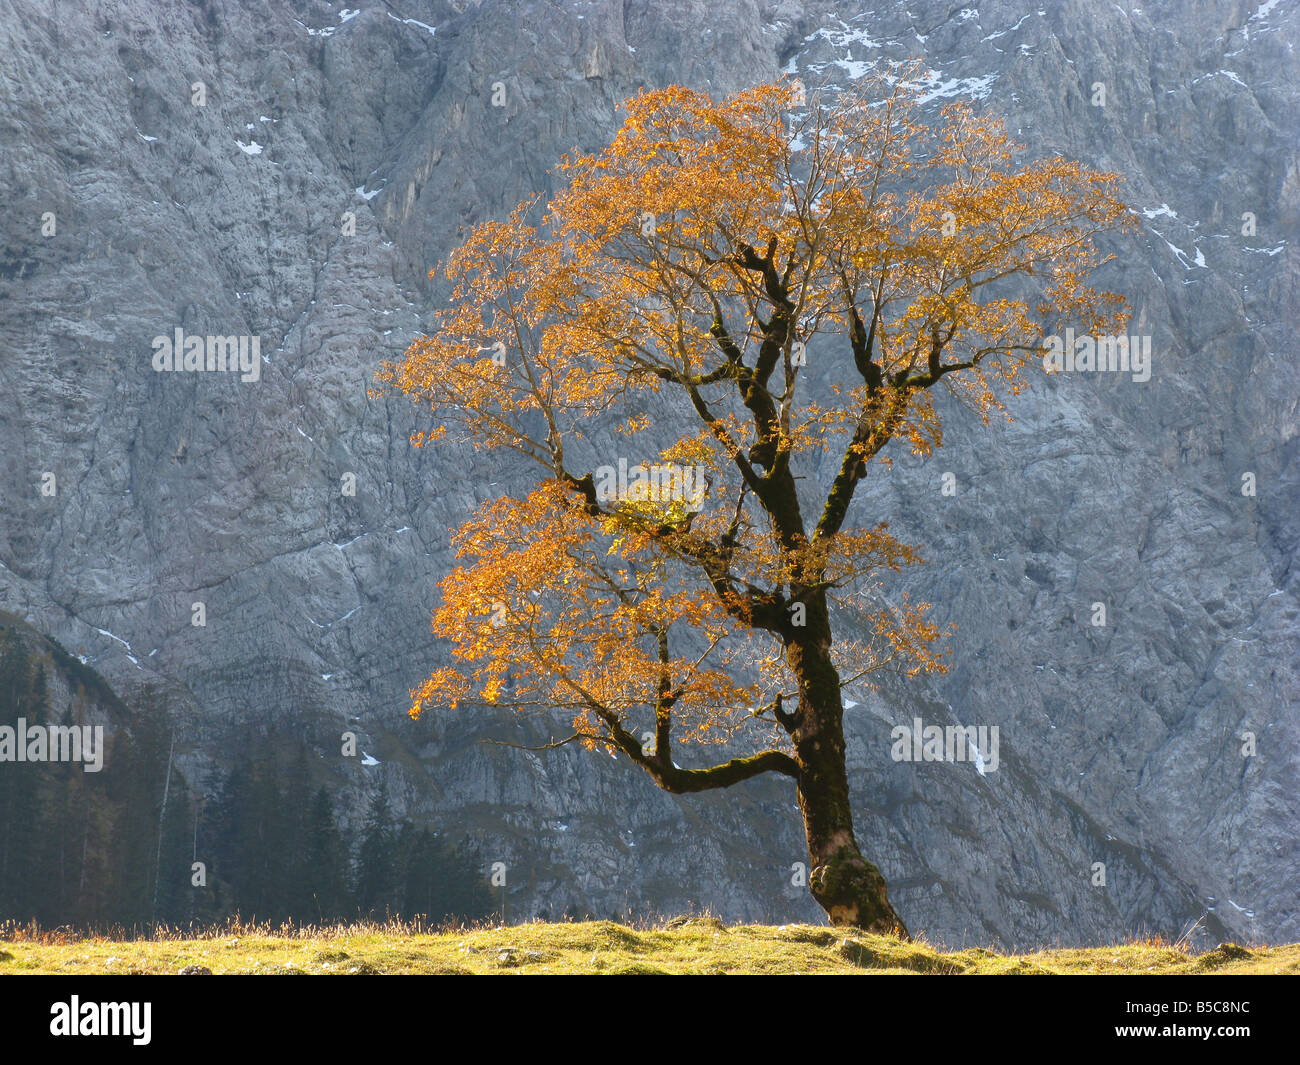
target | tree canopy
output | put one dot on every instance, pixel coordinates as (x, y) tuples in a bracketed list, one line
[(725, 298)]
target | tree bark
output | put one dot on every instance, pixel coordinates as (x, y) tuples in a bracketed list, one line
[(848, 887)]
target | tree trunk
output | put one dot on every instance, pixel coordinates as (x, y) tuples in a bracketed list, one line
[(848, 887)]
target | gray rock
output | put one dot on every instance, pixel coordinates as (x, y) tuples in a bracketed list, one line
[(1120, 744)]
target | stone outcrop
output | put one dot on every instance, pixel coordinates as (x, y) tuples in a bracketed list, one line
[(290, 171)]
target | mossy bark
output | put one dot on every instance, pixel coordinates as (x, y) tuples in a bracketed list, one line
[(848, 887)]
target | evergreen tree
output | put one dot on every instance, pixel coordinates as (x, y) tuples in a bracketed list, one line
[(60, 839), (376, 874), (172, 891), (469, 896), (21, 789), (135, 781), (443, 882), (326, 865), (231, 862), (295, 785)]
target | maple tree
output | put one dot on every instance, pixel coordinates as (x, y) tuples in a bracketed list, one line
[(674, 298)]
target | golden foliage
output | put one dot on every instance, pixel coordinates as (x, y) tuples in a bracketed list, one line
[(690, 284)]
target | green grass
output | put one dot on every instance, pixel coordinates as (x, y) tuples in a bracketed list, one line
[(693, 945)]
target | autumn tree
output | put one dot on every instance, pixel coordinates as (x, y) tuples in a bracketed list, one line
[(666, 310)]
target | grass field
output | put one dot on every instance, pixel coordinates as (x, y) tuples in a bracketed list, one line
[(684, 945)]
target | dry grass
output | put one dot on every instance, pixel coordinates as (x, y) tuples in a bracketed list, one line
[(684, 945)]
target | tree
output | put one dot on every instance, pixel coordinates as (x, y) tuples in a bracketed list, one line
[(326, 862), (441, 881), (376, 876), (22, 785), (149, 846), (254, 845), (679, 291), (303, 877)]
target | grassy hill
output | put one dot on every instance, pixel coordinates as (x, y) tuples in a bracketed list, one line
[(684, 945)]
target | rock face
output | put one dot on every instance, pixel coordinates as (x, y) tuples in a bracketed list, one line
[(289, 171)]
